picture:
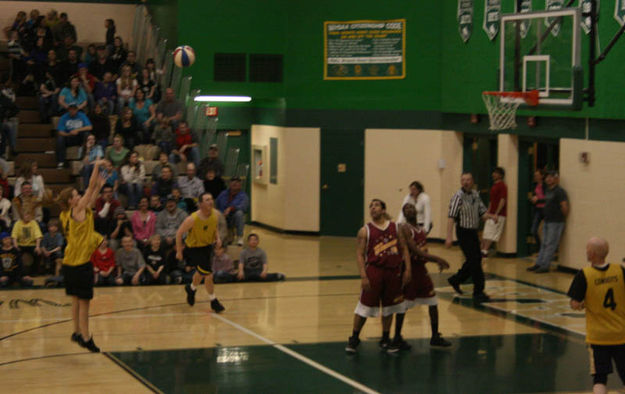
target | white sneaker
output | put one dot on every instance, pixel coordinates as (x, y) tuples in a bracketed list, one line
[(60, 166), (240, 241)]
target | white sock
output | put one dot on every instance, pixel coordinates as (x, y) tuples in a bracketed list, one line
[(212, 296), (192, 287)]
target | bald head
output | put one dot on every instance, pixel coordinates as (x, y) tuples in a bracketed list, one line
[(597, 250)]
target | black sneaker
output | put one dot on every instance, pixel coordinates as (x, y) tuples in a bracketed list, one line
[(533, 268), (216, 305), (455, 285), (76, 337), (190, 295), (482, 297), (352, 345), (438, 340), (384, 344), (89, 345), (400, 344)]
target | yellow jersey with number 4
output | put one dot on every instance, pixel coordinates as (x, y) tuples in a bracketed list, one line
[(605, 305)]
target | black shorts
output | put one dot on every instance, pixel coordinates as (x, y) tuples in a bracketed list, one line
[(601, 357), (79, 280), (200, 258)]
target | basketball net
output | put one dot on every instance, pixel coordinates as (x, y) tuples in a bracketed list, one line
[(502, 107)]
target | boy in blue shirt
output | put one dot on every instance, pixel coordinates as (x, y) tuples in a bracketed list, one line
[(52, 248)]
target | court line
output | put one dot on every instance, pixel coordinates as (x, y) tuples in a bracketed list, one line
[(43, 357), (132, 373), (299, 357)]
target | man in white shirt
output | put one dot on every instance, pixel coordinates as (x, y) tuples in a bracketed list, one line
[(421, 201)]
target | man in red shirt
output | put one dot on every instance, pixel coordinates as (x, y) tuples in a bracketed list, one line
[(497, 208), (186, 145)]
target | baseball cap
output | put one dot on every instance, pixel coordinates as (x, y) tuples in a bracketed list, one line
[(82, 65), (213, 146), (552, 173), (170, 197), (4, 235)]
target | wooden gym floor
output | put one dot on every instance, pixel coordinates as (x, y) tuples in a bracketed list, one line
[(290, 336)]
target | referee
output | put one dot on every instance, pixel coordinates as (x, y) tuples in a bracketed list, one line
[(465, 210)]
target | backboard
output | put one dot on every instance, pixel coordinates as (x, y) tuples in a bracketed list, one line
[(541, 51)]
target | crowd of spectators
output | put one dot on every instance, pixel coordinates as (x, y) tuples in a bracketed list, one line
[(107, 104)]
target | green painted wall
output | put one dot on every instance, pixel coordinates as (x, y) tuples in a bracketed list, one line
[(165, 15)]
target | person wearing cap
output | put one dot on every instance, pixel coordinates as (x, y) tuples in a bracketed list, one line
[(555, 211), (233, 203), (72, 131), (168, 221), (11, 268), (211, 162)]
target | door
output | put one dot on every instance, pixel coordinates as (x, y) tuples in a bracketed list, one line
[(342, 181), (480, 158)]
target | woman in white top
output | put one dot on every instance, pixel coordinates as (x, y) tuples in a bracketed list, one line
[(29, 172), (133, 174), (421, 201), (5, 212), (126, 87)]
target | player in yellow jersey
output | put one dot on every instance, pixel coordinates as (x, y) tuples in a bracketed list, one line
[(600, 289), (77, 223), (199, 245)]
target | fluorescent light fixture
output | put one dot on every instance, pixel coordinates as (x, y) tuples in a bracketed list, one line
[(224, 99)]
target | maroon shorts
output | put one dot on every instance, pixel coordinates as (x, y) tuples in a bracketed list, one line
[(420, 285), (385, 287)]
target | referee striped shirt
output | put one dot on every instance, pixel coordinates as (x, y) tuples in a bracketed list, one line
[(467, 209)]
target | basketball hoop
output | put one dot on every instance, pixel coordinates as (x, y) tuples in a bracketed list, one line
[(502, 107)]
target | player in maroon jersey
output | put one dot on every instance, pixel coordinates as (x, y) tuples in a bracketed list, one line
[(420, 290), (381, 253)]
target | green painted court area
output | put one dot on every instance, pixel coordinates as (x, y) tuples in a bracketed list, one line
[(486, 364)]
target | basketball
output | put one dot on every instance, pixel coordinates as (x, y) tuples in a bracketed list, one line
[(184, 56)]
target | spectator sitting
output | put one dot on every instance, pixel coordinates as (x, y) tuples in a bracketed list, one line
[(73, 95), (163, 161), (87, 82), (12, 269), (126, 87), (155, 204), (122, 228), (169, 220), (131, 262), (53, 66), (163, 137), (155, 258), (48, 98), (223, 266), (105, 94), (131, 62), (147, 84), (190, 187), (4, 181), (186, 147), (253, 263), (8, 115), (52, 19), (90, 55), (101, 127), (164, 184), (117, 153), (154, 75), (27, 203), (211, 162), (170, 108), (127, 127), (27, 237), (105, 208), (29, 173), (118, 53), (143, 111), (233, 203), (143, 224), (52, 248), (16, 56), (19, 24), (104, 268), (177, 196), (64, 30), (72, 130), (133, 174), (102, 65), (90, 152), (110, 33), (68, 63), (5, 212), (112, 178), (213, 184)]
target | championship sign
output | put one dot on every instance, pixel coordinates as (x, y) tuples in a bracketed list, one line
[(551, 5), (619, 11), (526, 6), (365, 49), (492, 14), (465, 19)]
